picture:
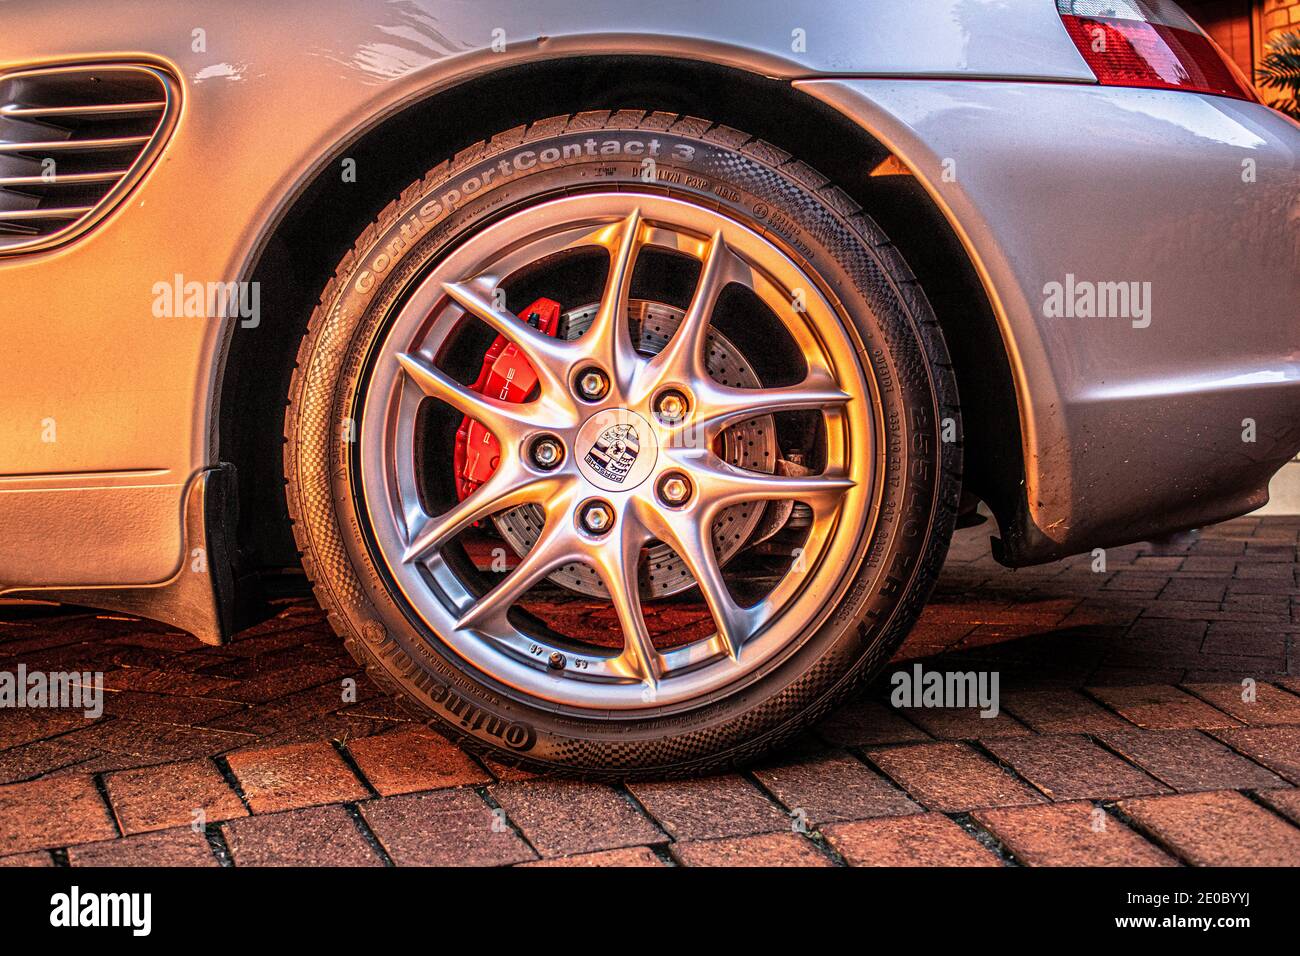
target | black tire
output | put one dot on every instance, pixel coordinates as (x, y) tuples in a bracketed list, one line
[(902, 348)]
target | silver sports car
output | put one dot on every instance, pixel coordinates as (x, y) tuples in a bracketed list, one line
[(618, 373)]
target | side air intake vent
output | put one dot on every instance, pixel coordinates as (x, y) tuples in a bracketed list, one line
[(73, 141)]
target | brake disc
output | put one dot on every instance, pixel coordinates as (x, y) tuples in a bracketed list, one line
[(750, 444)]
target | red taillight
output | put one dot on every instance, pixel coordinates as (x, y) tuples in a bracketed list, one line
[(1150, 43)]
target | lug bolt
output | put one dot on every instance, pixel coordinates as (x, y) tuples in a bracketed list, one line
[(547, 452), (671, 407), (597, 517), (674, 489), (592, 384)]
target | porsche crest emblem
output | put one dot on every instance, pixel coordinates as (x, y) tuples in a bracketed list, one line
[(614, 452)]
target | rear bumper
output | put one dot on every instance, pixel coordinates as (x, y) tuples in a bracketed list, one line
[(1135, 424)]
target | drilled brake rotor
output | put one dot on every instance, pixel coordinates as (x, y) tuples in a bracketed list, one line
[(749, 444)]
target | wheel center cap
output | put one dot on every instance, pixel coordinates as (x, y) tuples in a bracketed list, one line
[(617, 449)]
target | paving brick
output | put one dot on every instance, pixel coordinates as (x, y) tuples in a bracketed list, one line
[(1071, 767), (314, 836), (1285, 802), (629, 856), (952, 778), (1060, 710), (26, 726), (505, 772), (1124, 676), (1156, 636), (1220, 828), (1269, 706), (106, 763), (179, 847), (1070, 834), (1217, 669), (972, 611), (298, 648), (289, 680), (710, 808), (1277, 748), (768, 849), (379, 708), (156, 742), (196, 662), (867, 723), (334, 727), (167, 708), (178, 683), (925, 839), (32, 858), (283, 711), (157, 798), (833, 787), (1207, 545), (149, 634), (282, 683), (1191, 589), (1161, 707), (53, 812), (23, 633), (1276, 605), (1189, 761), (1246, 640), (1268, 571), (282, 778), (1158, 562), (1003, 636), (1215, 566), (444, 828), (1268, 586), (411, 759), (39, 758), (964, 723), (560, 817), (1112, 610)]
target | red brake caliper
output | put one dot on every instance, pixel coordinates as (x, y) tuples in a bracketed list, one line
[(505, 375)]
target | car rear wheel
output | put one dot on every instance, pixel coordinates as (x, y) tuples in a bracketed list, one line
[(615, 446)]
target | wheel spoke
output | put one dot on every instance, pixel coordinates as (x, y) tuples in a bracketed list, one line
[(507, 488), (682, 360), (723, 484), (617, 564), (721, 406), (692, 540), (549, 552), (505, 420), (549, 357), (610, 336)]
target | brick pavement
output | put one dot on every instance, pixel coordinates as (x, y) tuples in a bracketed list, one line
[(1124, 738)]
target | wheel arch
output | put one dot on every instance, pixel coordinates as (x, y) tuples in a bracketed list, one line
[(297, 256)]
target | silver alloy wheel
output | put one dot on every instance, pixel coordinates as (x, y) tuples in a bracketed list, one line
[(599, 466)]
